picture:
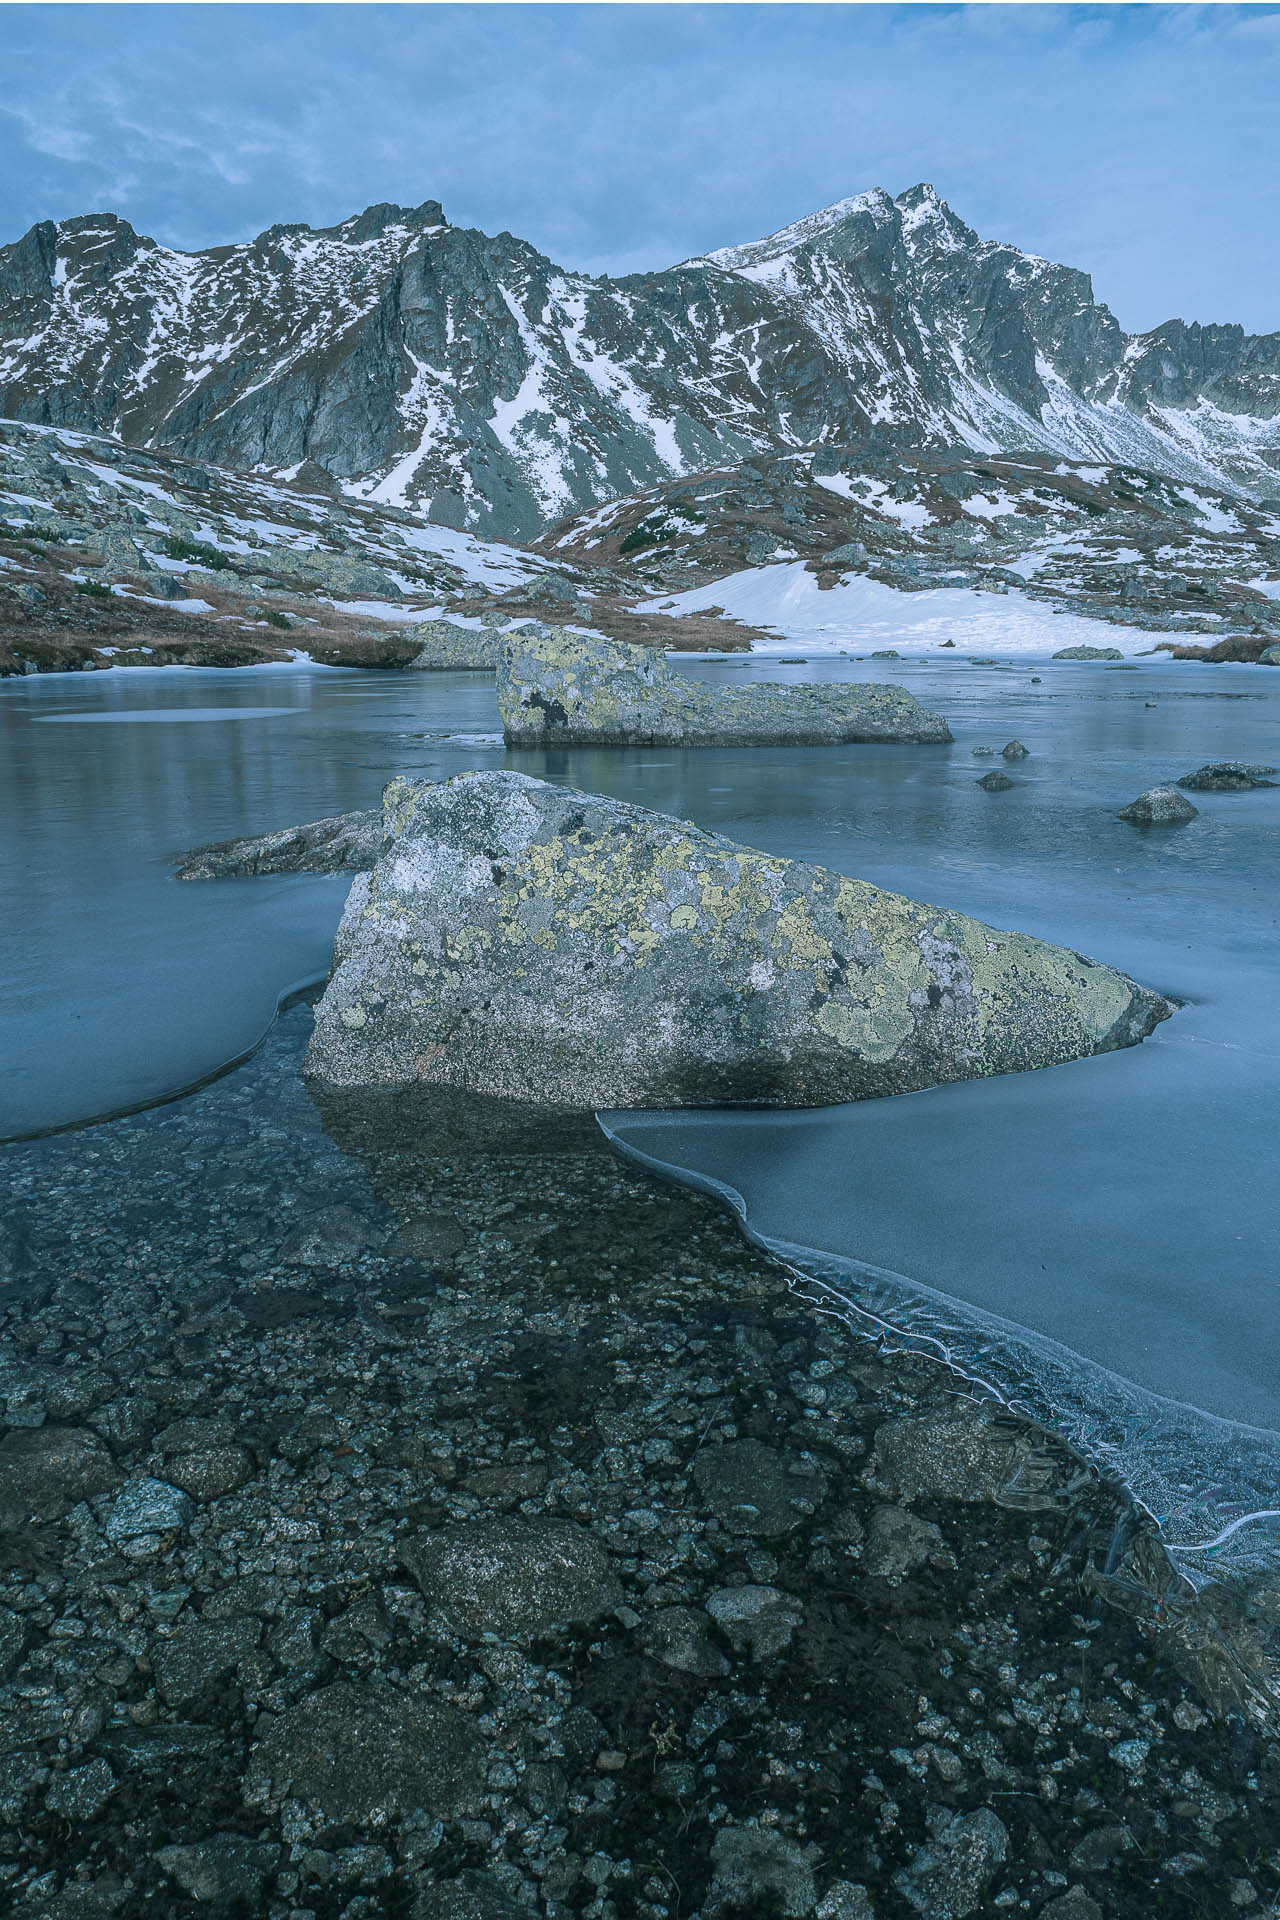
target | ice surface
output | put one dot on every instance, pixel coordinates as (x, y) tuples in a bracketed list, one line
[(1097, 1240)]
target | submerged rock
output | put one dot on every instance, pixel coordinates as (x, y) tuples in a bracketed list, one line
[(568, 688), (450, 648), (996, 782), (1269, 657), (523, 955), (1089, 653), (1015, 750), (514, 1579), (365, 1751), (1227, 776), (1159, 807), (344, 843)]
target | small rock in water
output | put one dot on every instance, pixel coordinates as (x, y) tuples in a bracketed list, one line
[(227, 1868), (330, 1238), (758, 1621), (982, 753), (758, 1869), (1036, 680), (982, 660), (1227, 776), (755, 1489), (514, 1578), (886, 653), (1159, 807), (1015, 750), (1269, 657), (948, 1879), (1089, 653), (898, 1542), (948, 643), (995, 782), (797, 660)]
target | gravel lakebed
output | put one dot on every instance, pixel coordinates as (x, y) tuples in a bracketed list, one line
[(498, 1538)]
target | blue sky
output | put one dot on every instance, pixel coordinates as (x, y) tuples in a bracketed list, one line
[(1138, 142)]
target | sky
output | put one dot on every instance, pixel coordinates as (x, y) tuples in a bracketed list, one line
[(1140, 143)]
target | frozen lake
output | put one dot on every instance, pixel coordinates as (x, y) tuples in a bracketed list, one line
[(1099, 1239)]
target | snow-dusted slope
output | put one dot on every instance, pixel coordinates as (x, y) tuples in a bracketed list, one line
[(467, 376)]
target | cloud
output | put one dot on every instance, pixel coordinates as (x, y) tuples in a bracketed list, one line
[(1136, 142)]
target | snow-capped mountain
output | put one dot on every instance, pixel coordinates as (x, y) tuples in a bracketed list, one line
[(468, 377)]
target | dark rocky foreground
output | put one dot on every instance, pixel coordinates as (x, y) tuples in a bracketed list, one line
[(474, 1540)]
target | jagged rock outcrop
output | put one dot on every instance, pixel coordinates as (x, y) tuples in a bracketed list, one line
[(422, 363), (344, 843), (557, 688), (523, 954)]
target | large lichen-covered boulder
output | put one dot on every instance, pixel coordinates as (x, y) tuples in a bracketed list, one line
[(523, 954), (447, 648), (560, 688)]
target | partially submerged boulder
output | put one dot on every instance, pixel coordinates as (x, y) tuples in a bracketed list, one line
[(344, 843), (448, 648), (1227, 776), (1159, 807), (522, 955), (1088, 653), (557, 688)]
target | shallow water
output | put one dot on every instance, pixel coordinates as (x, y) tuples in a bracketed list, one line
[(1098, 1238)]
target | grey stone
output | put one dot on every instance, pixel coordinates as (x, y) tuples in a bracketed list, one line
[(1096, 1851), (572, 689), (211, 1472), (758, 1621), (679, 1638), (1074, 1904), (192, 1666), (13, 1638), (1159, 807), (370, 1753), (1089, 653), (1015, 750), (514, 1579), (967, 1454), (81, 1792), (524, 955), (845, 1900), (1227, 776), (227, 1868), (342, 843), (449, 648), (474, 1895), (333, 1237), (436, 1237), (146, 1518), (45, 1471), (948, 1878), (996, 782), (753, 1865), (755, 1489), (1269, 657), (898, 1542)]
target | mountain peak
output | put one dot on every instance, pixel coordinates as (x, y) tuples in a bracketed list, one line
[(810, 227)]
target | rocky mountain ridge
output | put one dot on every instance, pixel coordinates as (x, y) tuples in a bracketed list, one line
[(422, 364)]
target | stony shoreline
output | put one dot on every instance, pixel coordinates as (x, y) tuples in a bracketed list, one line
[(520, 1543)]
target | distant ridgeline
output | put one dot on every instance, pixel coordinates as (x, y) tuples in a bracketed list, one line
[(467, 377)]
